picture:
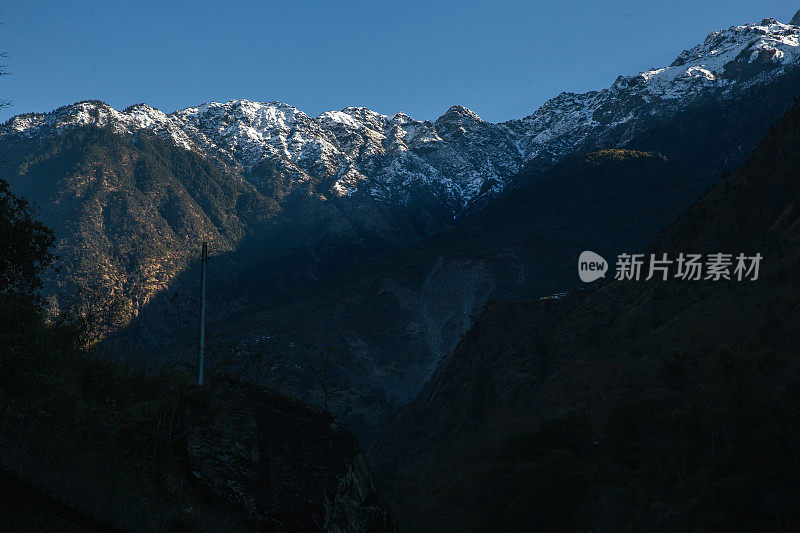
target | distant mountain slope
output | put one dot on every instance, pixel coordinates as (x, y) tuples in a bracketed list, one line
[(644, 405)]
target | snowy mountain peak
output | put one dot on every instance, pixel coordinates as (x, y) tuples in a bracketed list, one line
[(400, 118), (727, 56), (85, 112), (246, 113), (776, 41), (353, 118), (458, 114), (363, 113), (727, 63)]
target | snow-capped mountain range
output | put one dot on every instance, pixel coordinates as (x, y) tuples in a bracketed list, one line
[(458, 157)]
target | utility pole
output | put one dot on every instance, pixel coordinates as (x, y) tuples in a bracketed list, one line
[(201, 337)]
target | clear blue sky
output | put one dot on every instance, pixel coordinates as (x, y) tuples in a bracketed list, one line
[(501, 59)]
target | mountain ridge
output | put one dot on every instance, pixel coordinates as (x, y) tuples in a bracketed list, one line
[(458, 157)]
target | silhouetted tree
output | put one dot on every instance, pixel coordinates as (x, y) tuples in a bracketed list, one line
[(25, 244), (323, 370), (3, 101)]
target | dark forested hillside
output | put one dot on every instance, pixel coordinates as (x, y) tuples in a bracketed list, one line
[(641, 405), (87, 443)]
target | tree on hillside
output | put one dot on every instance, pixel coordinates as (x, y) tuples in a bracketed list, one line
[(25, 245)]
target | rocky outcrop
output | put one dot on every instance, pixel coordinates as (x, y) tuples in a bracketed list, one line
[(286, 465)]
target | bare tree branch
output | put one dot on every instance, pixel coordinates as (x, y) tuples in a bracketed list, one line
[(325, 376)]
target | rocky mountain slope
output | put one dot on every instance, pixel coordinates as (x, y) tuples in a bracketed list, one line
[(292, 201), (660, 405)]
